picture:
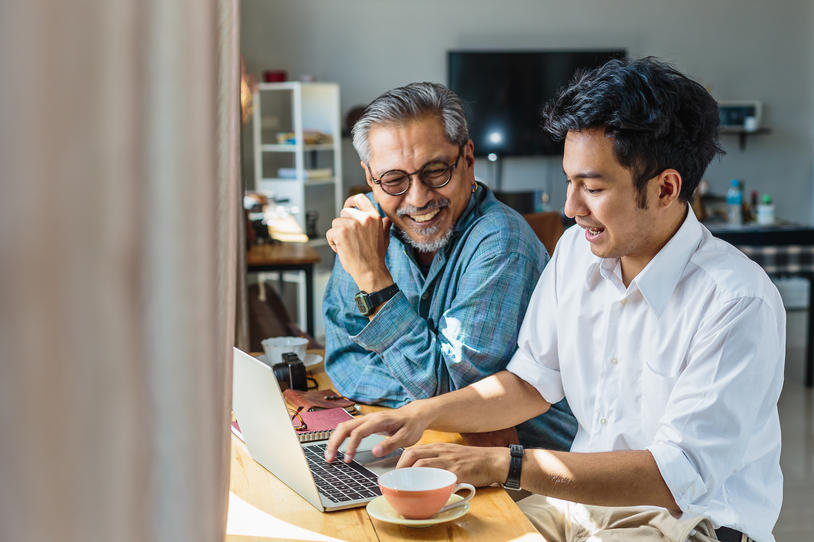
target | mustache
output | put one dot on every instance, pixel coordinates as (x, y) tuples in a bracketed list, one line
[(584, 225), (434, 204)]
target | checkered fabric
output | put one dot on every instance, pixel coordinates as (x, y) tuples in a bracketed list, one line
[(778, 260)]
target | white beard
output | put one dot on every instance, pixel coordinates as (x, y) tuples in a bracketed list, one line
[(430, 246)]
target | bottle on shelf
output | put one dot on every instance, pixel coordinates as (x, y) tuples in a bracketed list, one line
[(765, 211), (734, 203), (750, 210)]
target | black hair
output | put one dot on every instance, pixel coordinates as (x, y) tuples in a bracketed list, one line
[(658, 119)]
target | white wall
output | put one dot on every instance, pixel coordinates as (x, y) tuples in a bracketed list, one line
[(736, 49)]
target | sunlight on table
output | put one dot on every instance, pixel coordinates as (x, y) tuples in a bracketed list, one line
[(247, 520), (283, 226)]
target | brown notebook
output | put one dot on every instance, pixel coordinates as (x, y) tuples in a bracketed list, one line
[(316, 399)]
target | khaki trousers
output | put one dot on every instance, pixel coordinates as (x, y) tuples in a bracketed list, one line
[(565, 521)]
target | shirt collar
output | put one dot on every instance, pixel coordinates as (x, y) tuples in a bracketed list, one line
[(658, 280), (472, 211)]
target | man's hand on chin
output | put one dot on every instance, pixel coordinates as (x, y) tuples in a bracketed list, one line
[(360, 237)]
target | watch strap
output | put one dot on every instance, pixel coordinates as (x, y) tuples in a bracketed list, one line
[(515, 467)]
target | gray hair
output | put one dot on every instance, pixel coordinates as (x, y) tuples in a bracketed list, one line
[(409, 102)]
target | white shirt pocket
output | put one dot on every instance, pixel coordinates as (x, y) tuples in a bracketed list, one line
[(657, 382)]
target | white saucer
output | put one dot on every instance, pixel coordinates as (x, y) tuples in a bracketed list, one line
[(309, 361), (312, 359), (380, 509)]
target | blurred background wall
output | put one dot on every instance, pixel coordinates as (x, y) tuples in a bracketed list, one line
[(739, 51)]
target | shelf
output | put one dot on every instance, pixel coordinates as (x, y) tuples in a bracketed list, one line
[(306, 182), (741, 133), (290, 147), (303, 111), (292, 85)]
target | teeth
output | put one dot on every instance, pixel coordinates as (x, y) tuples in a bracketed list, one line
[(595, 231), (425, 217)]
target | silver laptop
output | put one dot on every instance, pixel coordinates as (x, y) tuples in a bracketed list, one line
[(272, 441)]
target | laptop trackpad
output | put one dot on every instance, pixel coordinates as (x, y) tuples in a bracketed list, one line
[(364, 456)]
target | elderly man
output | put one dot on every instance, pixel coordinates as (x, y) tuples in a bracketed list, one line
[(668, 343), (433, 274)]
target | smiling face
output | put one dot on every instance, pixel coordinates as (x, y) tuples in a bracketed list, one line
[(425, 215), (602, 199)]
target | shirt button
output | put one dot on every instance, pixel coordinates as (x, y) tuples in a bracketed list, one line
[(425, 295), (614, 361), (603, 421), (623, 301)]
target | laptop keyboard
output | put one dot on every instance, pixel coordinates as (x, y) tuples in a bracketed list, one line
[(342, 482)]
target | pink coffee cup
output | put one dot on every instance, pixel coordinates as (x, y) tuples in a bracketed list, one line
[(421, 492)]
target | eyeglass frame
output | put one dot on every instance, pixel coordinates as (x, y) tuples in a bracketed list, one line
[(302, 426), (450, 167)]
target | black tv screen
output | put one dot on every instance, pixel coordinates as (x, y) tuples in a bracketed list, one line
[(504, 92)]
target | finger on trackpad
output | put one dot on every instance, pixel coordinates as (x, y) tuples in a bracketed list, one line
[(364, 456), (365, 445)]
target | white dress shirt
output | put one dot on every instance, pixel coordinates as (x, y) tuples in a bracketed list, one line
[(686, 362)]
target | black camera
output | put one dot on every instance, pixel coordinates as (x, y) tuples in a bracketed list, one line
[(290, 373)]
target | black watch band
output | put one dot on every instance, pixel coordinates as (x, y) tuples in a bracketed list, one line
[(367, 303), (515, 466)]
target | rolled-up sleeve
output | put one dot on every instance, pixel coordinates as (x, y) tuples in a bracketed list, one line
[(732, 378)]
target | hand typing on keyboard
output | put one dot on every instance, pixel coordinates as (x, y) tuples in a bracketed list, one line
[(404, 427)]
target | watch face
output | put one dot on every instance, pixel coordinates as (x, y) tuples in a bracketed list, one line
[(361, 303)]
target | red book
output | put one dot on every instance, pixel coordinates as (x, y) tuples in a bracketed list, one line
[(236, 430), (320, 423)]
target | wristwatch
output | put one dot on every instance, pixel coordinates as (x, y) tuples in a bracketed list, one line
[(515, 466), (367, 303)]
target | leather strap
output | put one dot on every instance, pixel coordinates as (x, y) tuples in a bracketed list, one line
[(515, 467)]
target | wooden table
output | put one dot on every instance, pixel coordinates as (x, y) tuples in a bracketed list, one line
[(262, 507), (288, 257)]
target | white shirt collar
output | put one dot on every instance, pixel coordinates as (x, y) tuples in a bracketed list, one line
[(659, 278)]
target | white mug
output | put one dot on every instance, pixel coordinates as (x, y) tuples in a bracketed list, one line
[(275, 347)]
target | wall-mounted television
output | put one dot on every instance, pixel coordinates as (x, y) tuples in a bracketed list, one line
[(504, 91)]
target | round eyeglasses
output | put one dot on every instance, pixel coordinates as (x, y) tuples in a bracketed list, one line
[(433, 174)]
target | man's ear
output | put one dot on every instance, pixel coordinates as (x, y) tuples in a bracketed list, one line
[(469, 153), (669, 182), (367, 174)]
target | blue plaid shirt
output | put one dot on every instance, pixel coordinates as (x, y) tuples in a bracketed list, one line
[(448, 329)]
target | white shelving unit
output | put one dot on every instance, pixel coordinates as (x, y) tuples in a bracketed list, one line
[(299, 108)]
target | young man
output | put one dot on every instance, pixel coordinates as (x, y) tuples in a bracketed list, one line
[(667, 342), (433, 274)]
